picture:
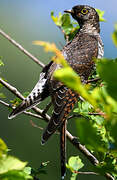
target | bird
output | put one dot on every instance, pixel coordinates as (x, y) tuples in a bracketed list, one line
[(79, 54)]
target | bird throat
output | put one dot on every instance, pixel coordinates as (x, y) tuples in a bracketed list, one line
[(90, 28)]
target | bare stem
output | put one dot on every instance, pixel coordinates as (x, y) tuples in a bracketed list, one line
[(72, 139), (21, 48), (93, 80), (86, 173), (25, 112), (47, 108), (19, 95), (79, 115), (78, 145), (66, 36), (39, 112)]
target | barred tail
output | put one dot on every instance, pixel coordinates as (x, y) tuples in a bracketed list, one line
[(60, 114), (63, 149), (25, 105), (39, 93)]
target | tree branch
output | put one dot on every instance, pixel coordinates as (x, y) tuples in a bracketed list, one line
[(21, 48), (46, 117), (72, 139), (20, 96), (78, 145), (25, 112)]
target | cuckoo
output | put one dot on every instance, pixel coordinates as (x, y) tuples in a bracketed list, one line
[(79, 53)]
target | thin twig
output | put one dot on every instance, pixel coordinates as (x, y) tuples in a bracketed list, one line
[(46, 117), (20, 96), (74, 142), (25, 112), (78, 145), (86, 173), (71, 138), (80, 115), (109, 176), (66, 36), (12, 89), (4, 103), (93, 80), (47, 107), (84, 150), (74, 116), (21, 48), (35, 125)]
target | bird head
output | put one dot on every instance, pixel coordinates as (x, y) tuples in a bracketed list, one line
[(83, 14)]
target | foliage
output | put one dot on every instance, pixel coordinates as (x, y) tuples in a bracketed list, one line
[(11, 168), (97, 113), (16, 101), (114, 35), (64, 22), (101, 14), (74, 164)]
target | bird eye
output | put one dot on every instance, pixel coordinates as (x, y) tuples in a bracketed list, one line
[(84, 11)]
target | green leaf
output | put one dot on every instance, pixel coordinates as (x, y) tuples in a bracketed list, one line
[(25, 94), (8, 163), (75, 163), (1, 63), (114, 35), (12, 168), (110, 77), (100, 13), (58, 19), (72, 80), (17, 101), (83, 108), (15, 175), (3, 148), (66, 20), (2, 95), (87, 129), (27, 170), (108, 165), (64, 23)]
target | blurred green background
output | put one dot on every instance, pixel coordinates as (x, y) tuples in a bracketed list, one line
[(26, 21)]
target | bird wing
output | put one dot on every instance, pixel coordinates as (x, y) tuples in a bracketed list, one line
[(39, 93), (64, 100), (79, 54)]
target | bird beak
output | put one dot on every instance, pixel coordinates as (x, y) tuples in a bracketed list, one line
[(69, 11)]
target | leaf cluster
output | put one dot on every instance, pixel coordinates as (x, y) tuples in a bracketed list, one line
[(11, 168)]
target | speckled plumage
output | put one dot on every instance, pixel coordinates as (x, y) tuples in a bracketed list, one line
[(79, 53)]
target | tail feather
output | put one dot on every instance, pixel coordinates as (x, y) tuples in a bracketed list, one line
[(60, 113), (39, 93), (63, 149), (25, 105)]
